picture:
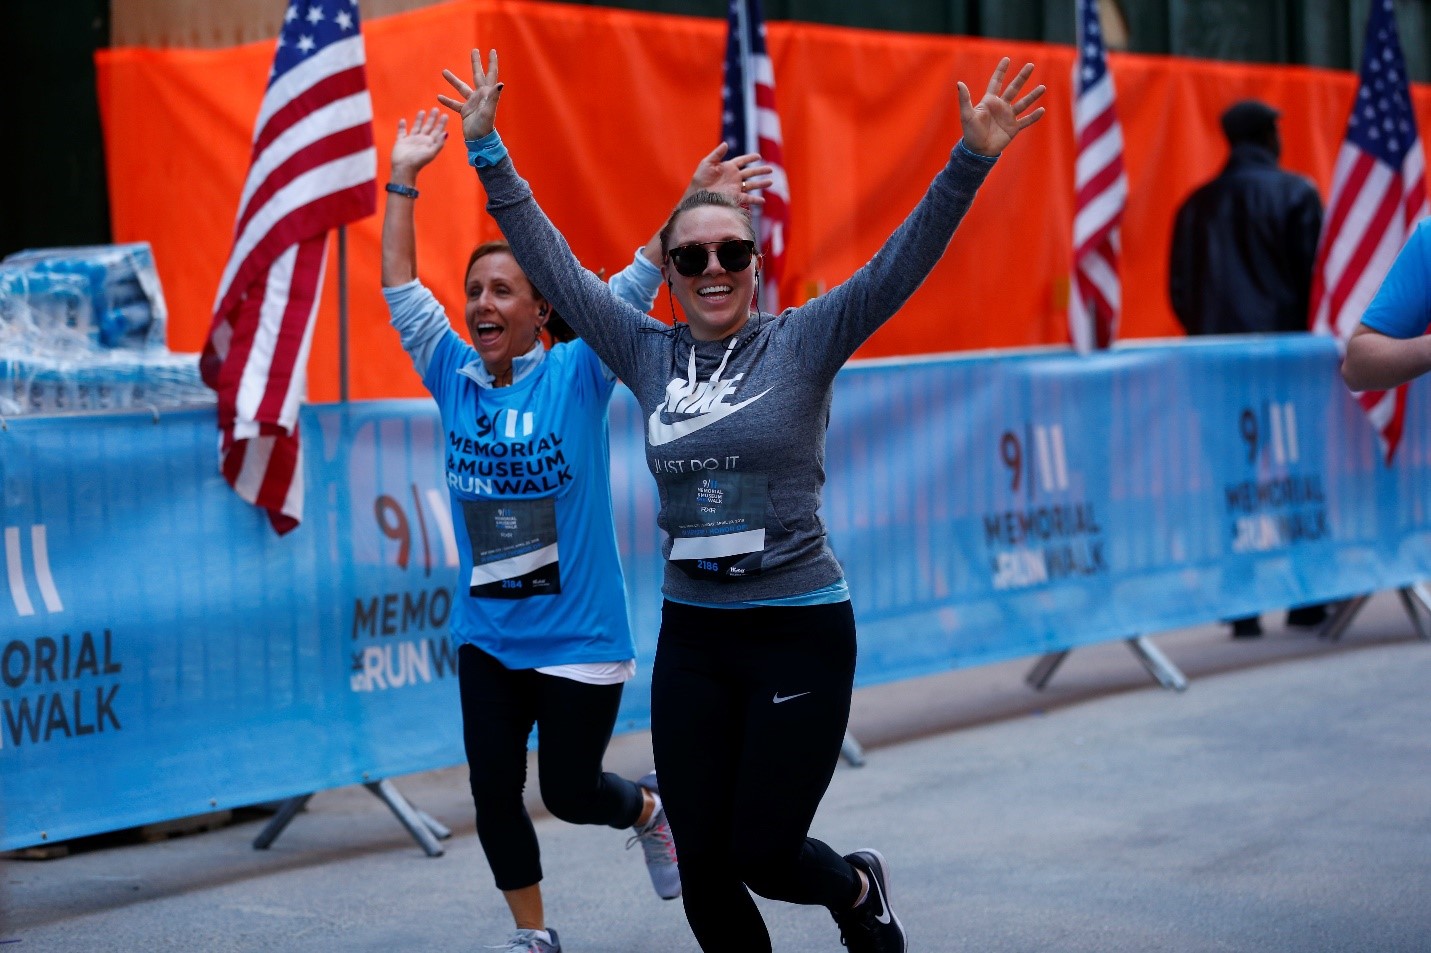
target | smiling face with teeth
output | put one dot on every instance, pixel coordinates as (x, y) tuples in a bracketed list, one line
[(504, 313), (717, 302)]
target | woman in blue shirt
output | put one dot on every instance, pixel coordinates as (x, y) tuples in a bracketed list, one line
[(541, 624)]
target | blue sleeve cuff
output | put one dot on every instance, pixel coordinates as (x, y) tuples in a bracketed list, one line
[(642, 268), (487, 151), (637, 283), (959, 147)]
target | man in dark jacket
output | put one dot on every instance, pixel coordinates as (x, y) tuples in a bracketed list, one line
[(1244, 245)]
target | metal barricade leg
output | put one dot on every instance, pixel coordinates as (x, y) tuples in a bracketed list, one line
[(1158, 665), (852, 751), (424, 828), (439, 830), (1417, 600), (1342, 617), (409, 816), (1044, 668), (279, 821)]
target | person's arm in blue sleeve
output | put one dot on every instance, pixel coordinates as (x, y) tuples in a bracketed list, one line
[(638, 282), (420, 323), (1390, 346), (611, 326), (743, 178)]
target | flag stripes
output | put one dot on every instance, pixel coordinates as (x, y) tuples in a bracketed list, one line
[(312, 168), (1378, 194), (750, 124), (1100, 193)]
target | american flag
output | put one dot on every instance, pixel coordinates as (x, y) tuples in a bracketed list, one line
[(312, 169), (1101, 191), (1378, 193), (749, 123)]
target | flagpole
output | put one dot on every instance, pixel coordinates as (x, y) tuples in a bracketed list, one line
[(751, 129), (748, 110), (343, 313)]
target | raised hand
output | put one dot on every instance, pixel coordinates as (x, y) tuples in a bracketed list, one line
[(993, 122), (740, 177), (478, 105), (416, 147)]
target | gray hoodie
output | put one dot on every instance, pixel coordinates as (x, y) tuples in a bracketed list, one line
[(735, 428)]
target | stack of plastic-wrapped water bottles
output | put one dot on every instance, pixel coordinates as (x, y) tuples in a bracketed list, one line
[(82, 329)]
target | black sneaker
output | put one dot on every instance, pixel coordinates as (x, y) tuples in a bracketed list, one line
[(1307, 617), (1248, 628), (871, 927)]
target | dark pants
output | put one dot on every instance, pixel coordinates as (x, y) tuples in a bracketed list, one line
[(574, 721), (748, 713)]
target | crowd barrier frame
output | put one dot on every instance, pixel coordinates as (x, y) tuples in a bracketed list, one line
[(424, 828), (164, 654), (1415, 599)]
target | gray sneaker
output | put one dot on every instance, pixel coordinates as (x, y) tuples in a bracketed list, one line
[(527, 941), (659, 848)]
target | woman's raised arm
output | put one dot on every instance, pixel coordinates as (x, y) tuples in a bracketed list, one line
[(412, 150)]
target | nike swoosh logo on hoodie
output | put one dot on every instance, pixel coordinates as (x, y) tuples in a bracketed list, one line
[(658, 433)]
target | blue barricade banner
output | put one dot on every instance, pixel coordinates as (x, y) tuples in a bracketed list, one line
[(162, 653)]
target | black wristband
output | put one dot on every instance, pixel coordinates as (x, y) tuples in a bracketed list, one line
[(396, 189)]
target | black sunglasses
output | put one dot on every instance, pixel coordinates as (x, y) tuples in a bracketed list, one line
[(734, 254)]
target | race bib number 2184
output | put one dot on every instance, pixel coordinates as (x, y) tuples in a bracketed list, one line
[(514, 548)]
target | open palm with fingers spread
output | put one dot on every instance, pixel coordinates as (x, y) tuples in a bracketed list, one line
[(993, 122), (417, 146), (478, 105)]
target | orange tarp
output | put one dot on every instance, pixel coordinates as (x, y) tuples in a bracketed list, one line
[(606, 113)]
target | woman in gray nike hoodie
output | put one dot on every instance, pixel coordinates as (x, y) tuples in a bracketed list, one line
[(755, 661)]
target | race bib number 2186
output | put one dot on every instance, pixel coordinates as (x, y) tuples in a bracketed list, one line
[(717, 524)]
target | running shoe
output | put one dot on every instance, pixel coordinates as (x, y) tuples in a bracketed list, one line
[(658, 846), (871, 927), (530, 941)]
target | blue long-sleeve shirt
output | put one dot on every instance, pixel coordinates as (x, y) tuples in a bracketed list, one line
[(527, 468)]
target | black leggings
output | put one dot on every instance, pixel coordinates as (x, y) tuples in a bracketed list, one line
[(748, 713), (574, 721)]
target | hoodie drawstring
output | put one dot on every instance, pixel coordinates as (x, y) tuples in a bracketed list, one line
[(715, 378)]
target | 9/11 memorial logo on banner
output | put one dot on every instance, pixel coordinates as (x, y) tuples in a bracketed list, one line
[(1282, 504), (1050, 534), (19, 572)]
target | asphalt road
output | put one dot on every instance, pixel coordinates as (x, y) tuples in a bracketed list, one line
[(1281, 803)]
